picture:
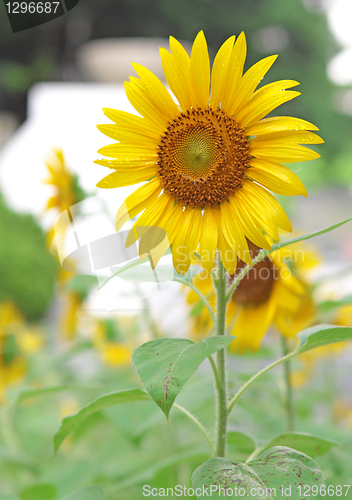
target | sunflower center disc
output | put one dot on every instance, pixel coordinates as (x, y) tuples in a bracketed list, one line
[(256, 287), (202, 157)]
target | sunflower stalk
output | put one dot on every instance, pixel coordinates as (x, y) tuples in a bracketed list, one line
[(289, 405), (221, 388), (261, 255)]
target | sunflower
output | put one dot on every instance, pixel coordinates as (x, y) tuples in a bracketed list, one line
[(67, 189), (211, 160), (113, 349), (272, 293), (67, 192)]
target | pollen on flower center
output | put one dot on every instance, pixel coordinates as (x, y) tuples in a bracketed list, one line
[(202, 157)]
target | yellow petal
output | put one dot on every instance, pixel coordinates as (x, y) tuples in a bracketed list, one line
[(233, 232), (234, 72), (250, 226), (126, 165), (251, 325), (276, 178), (187, 239), (174, 222), (226, 252), (126, 177), (153, 236), (208, 239), (129, 152), (178, 75), (279, 124), (182, 63), (269, 203), (200, 71), (157, 92), (132, 123), (123, 135), (141, 102), (283, 153), (266, 100), (250, 81), (286, 137), (219, 74), (52, 202), (171, 227), (137, 201), (263, 218), (149, 218)]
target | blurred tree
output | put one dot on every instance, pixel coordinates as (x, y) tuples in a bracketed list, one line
[(27, 270)]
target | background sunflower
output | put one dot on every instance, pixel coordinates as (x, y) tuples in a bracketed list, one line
[(275, 292)]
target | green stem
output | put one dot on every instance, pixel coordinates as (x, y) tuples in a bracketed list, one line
[(261, 255), (289, 395), (221, 392), (218, 384), (198, 424), (256, 377), (200, 295)]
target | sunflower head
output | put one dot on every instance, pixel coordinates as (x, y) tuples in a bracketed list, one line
[(65, 183), (67, 191), (208, 158), (274, 293)]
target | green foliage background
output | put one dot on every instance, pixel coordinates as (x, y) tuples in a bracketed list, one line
[(27, 270)]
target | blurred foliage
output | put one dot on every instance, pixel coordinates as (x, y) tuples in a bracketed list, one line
[(27, 270), (124, 447), (297, 30)]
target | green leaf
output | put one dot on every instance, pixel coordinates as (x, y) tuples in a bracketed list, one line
[(8, 497), (307, 236), (278, 472), (39, 492), (90, 493), (331, 305), (33, 393), (72, 422), (164, 365), (237, 442), (123, 269), (316, 336), (320, 335), (148, 472), (162, 273), (312, 446), (145, 274)]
